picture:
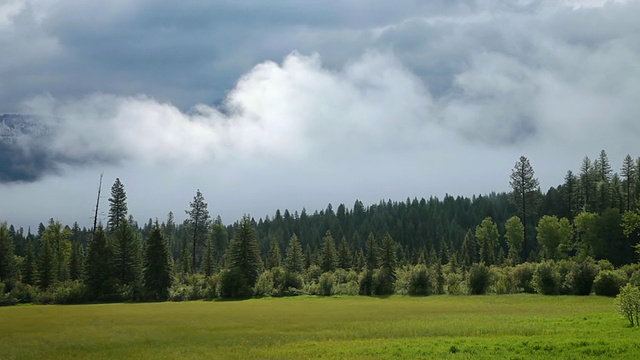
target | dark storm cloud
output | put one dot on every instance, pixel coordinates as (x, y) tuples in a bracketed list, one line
[(249, 101)]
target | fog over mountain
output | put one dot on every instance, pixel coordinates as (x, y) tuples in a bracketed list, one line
[(282, 104)]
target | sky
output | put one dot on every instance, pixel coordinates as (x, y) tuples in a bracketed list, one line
[(287, 104)]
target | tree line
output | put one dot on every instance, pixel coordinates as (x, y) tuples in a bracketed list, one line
[(592, 216)]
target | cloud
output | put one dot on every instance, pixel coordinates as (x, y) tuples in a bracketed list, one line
[(304, 107)]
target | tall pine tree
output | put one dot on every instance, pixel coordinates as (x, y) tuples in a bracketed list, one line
[(199, 221), (525, 190)]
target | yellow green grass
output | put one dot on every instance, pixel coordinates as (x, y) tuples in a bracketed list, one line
[(449, 327)]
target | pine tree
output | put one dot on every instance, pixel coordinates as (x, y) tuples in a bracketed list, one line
[(629, 172), (208, 267), (329, 256), (525, 188), (345, 259), (371, 252), (117, 206), (157, 265), (8, 269), (243, 254), (571, 195), (99, 276), (468, 250), (388, 258), (295, 258), (126, 254), (587, 184), (603, 182), (76, 262), (273, 255), (199, 221), (29, 266), (47, 264)]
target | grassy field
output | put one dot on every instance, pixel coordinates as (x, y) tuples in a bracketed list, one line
[(449, 327)]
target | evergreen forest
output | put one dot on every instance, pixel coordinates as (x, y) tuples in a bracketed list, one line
[(580, 237)]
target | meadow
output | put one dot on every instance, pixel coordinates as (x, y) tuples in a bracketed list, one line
[(520, 326)]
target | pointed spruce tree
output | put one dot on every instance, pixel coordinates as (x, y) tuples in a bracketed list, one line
[(628, 174), (328, 254), (274, 259), (99, 276), (345, 259), (126, 254), (244, 254), (295, 258), (29, 266), (371, 252), (157, 265), (388, 264), (8, 268), (117, 206)]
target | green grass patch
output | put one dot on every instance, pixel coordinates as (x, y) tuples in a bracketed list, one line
[(449, 327)]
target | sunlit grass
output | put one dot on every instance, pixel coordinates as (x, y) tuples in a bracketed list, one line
[(457, 327)]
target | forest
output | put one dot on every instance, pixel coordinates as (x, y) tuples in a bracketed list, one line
[(577, 238)]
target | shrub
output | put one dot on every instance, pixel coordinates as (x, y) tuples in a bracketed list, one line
[(563, 267), (232, 284), (68, 292), (348, 288), (479, 279), (24, 293), (313, 274), (384, 280), (580, 278), (264, 285), (420, 281), (605, 265), (523, 277), (504, 283), (453, 280), (609, 282), (628, 303), (546, 279), (367, 283), (326, 283), (401, 286)]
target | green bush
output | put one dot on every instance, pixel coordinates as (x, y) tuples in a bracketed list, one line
[(609, 282), (68, 292), (479, 279), (579, 280), (628, 303), (232, 284), (384, 280), (564, 267), (367, 283), (421, 281), (348, 288), (278, 282), (264, 285), (504, 280), (523, 277), (326, 283), (546, 279), (313, 274), (453, 281), (24, 293)]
